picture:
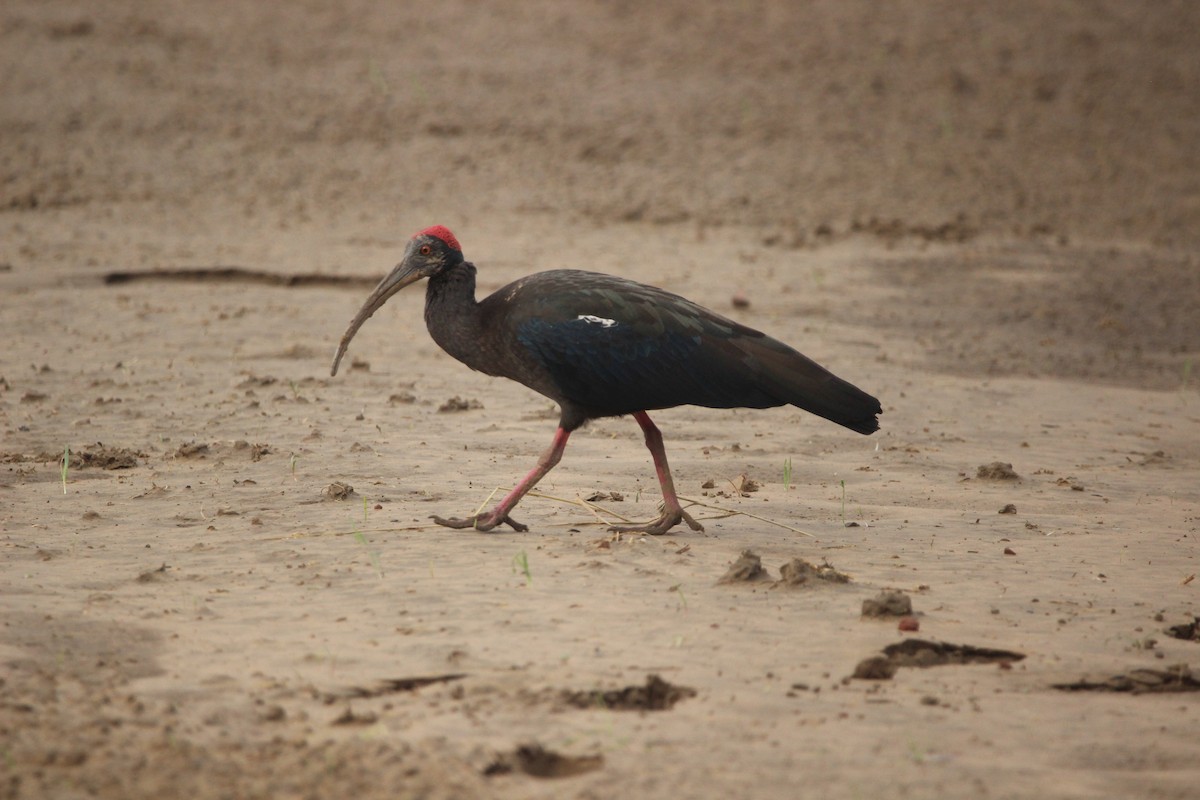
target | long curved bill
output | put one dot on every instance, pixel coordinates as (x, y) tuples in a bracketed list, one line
[(396, 280)]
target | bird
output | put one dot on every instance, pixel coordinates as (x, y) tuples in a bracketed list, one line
[(602, 346)]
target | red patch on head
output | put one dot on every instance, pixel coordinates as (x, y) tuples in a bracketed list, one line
[(443, 233)]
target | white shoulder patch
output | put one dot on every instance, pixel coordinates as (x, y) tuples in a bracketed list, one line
[(601, 321)]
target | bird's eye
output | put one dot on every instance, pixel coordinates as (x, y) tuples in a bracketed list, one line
[(426, 250)]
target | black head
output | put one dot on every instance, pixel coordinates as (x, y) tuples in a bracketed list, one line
[(429, 253)]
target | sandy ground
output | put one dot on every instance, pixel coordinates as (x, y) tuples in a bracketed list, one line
[(987, 215)]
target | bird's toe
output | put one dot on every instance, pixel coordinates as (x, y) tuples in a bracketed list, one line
[(454, 522), (516, 526), (480, 522), (658, 527)]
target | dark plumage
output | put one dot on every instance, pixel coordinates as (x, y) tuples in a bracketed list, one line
[(602, 346)]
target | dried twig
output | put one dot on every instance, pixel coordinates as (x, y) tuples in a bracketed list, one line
[(733, 511)]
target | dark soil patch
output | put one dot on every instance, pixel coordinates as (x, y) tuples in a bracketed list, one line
[(1125, 318), (257, 450), (1189, 631), (103, 457), (237, 275), (457, 403), (656, 695), (154, 575), (535, 760), (391, 686), (97, 455), (875, 668), (192, 450), (1178, 678), (106, 457), (352, 717), (922, 653)]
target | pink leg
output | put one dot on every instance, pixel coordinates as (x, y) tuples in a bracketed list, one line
[(673, 513), (499, 514)]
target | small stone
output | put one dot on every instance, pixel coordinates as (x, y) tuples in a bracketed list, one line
[(799, 572)]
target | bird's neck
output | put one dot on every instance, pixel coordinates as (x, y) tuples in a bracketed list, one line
[(452, 315)]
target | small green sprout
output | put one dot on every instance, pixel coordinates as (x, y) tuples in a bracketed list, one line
[(521, 562), (361, 538), (678, 589)]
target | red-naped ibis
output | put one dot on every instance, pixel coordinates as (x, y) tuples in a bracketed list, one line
[(602, 346)]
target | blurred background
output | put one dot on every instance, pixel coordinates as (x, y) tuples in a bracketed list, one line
[(1066, 118), (303, 135)]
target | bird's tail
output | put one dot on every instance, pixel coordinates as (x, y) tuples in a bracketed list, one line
[(845, 404), (798, 380)]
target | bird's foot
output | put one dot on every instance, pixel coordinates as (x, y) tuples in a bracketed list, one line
[(667, 520), (480, 522)]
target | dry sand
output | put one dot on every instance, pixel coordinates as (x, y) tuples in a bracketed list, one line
[(985, 214)]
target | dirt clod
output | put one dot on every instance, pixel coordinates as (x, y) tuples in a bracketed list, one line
[(747, 568), (799, 572), (889, 603), (456, 403), (602, 497), (746, 485), (875, 668), (352, 717), (538, 762), (391, 686), (256, 450), (997, 471), (339, 491), (153, 575), (192, 450), (656, 695), (1188, 631)]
